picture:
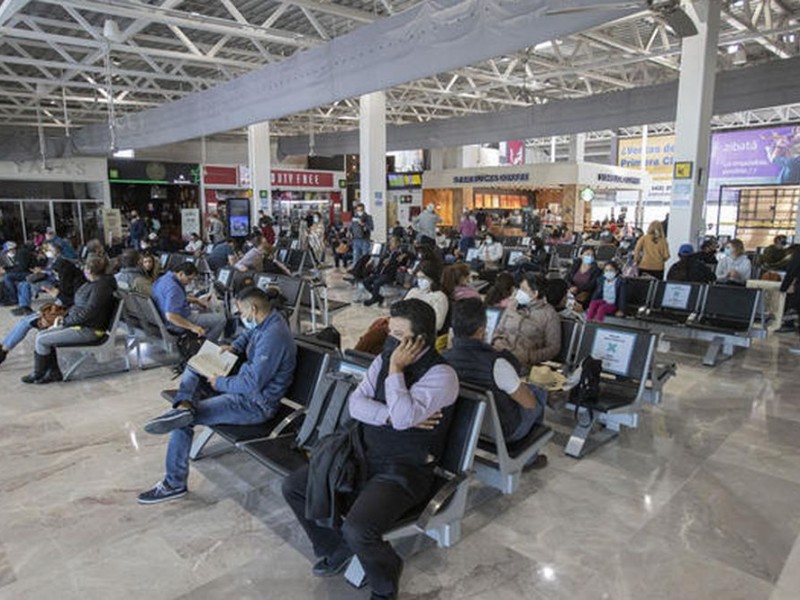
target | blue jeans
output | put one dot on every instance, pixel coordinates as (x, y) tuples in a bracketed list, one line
[(223, 409), (24, 293), (361, 247), (213, 323), (19, 332), (11, 280), (530, 416)]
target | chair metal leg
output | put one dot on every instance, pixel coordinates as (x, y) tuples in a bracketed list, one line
[(199, 442)]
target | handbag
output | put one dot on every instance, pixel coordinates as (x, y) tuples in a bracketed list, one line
[(587, 391), (342, 248), (48, 315)]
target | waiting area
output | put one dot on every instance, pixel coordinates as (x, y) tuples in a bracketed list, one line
[(695, 497)]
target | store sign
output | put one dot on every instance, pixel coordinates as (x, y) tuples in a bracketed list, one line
[(400, 181), (220, 175), (587, 194), (111, 219), (190, 222), (614, 178), (492, 178), (139, 171), (768, 155), (313, 179), (515, 152)]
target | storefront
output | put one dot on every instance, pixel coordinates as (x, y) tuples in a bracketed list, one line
[(297, 193), (404, 192), (67, 194), (509, 194), (158, 191)]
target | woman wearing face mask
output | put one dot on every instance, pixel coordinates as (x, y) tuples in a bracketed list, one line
[(529, 328), (734, 267), (428, 289), (582, 280), (87, 319), (609, 296)]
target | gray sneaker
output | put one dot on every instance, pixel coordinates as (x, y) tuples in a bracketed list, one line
[(172, 419)]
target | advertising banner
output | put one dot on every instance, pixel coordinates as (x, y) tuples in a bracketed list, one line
[(112, 224), (658, 158), (190, 222), (769, 155)]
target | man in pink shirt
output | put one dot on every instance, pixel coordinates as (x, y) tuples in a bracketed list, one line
[(468, 228), (403, 409)]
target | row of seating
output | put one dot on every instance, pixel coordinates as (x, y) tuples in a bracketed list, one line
[(725, 316), (630, 377), (316, 404)]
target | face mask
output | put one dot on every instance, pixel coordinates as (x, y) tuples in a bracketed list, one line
[(609, 275), (588, 260), (390, 345), (50, 254), (359, 212), (488, 240), (430, 208), (12, 254), (728, 252), (424, 283), (523, 298), (249, 323), (316, 219)]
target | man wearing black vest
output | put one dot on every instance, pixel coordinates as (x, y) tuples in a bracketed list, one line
[(403, 408), (476, 362)]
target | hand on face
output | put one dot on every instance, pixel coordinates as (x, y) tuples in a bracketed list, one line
[(407, 352)]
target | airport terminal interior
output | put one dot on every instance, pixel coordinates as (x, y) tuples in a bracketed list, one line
[(420, 299)]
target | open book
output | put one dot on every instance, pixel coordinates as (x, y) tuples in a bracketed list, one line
[(210, 362)]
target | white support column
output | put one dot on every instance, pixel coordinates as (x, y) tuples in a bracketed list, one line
[(552, 149), (202, 202), (260, 164), (693, 124), (372, 138), (577, 148)]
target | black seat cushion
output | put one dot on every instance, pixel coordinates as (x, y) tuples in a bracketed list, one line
[(279, 454), (242, 433), (97, 342), (517, 448)]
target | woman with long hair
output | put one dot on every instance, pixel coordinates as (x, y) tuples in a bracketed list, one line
[(651, 251)]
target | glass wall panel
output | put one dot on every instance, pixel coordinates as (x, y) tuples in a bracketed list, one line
[(67, 222), (36, 216), (10, 222)]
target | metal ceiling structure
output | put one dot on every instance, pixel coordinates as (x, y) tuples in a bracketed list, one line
[(62, 61)]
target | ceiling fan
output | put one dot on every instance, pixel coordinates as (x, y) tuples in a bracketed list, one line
[(668, 11)]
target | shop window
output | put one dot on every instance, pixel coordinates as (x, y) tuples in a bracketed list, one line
[(36, 216), (67, 222), (90, 220), (11, 222)]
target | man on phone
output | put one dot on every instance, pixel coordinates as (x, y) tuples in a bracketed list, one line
[(403, 409)]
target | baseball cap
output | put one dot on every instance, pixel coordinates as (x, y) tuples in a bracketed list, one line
[(685, 249), (9, 246)]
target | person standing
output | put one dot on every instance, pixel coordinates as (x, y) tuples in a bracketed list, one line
[(136, 230), (652, 252), (361, 229), (425, 223), (468, 228)]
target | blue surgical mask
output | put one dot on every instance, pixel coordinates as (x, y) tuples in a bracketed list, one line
[(727, 252), (587, 260), (609, 275), (249, 323)]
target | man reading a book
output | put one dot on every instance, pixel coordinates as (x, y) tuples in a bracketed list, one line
[(252, 396)]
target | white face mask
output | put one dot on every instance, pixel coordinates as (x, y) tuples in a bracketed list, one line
[(609, 275), (523, 298), (423, 283), (430, 208), (50, 254)]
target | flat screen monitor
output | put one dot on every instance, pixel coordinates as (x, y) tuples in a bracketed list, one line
[(515, 256), (526, 241), (676, 296), (283, 254), (492, 319), (238, 217), (164, 260), (615, 349), (224, 277), (473, 254), (377, 248), (295, 245)]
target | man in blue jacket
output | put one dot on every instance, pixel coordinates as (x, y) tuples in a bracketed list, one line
[(250, 397)]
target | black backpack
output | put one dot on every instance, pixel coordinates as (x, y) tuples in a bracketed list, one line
[(587, 392)]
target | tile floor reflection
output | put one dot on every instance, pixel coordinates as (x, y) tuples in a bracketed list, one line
[(701, 501)]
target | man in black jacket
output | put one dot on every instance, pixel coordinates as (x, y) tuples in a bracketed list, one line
[(386, 271), (24, 259), (690, 267), (87, 319)]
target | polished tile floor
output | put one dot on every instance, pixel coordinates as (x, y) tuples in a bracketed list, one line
[(701, 501)]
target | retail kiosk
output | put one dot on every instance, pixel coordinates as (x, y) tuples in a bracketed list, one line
[(566, 189), (295, 192)]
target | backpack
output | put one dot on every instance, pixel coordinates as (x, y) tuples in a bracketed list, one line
[(587, 391)]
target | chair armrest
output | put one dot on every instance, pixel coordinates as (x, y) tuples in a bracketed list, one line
[(445, 493), (287, 421)]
